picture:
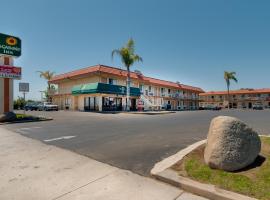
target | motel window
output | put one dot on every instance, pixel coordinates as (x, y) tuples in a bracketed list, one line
[(150, 88), (212, 97), (141, 87), (169, 91), (112, 81), (162, 90), (67, 101)]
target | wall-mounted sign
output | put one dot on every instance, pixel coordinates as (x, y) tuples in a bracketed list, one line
[(23, 87), (10, 45), (10, 72)]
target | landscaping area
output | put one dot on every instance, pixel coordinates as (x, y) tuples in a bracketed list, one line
[(253, 181), (19, 118)]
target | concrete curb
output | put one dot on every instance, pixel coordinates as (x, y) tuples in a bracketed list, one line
[(168, 162), (162, 172), (26, 121), (150, 113), (205, 190)]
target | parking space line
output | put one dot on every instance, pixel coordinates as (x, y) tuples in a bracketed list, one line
[(60, 138)]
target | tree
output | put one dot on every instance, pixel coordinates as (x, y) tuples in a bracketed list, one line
[(128, 58), (228, 76), (47, 75)]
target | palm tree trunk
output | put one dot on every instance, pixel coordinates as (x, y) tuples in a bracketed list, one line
[(228, 95), (48, 92), (128, 89)]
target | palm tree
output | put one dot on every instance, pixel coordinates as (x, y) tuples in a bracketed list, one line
[(128, 58), (47, 75), (228, 76)]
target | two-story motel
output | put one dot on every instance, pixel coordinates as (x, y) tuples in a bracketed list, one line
[(243, 98), (103, 88)]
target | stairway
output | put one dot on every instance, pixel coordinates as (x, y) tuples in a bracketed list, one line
[(148, 104)]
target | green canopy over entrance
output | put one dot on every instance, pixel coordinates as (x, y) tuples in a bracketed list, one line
[(104, 88)]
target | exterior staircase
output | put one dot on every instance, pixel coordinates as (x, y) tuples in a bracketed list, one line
[(148, 104)]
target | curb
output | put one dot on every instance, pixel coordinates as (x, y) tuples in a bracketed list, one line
[(162, 172), (168, 162), (26, 121), (150, 113), (205, 190)]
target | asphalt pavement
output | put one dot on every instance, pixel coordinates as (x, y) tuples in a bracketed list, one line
[(129, 141)]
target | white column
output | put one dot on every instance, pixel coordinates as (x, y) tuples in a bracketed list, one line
[(99, 103)]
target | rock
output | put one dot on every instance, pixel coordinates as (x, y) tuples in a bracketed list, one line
[(231, 144), (8, 116)]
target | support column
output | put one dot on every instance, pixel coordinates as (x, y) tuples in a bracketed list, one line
[(6, 88), (1, 95), (6, 95), (99, 103)]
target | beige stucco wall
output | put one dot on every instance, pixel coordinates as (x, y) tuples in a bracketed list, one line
[(66, 86), (64, 89)]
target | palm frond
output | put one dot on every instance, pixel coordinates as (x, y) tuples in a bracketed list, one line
[(137, 58), (131, 45), (116, 51)]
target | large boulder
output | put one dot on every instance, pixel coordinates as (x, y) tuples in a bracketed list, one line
[(7, 117), (231, 144)]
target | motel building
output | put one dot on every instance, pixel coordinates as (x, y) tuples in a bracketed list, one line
[(243, 98), (103, 88)]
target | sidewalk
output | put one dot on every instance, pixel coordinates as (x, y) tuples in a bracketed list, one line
[(30, 169)]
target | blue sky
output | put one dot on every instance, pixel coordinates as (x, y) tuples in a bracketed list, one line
[(191, 41)]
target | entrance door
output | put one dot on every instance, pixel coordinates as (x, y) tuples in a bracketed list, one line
[(249, 105), (90, 103), (133, 104)]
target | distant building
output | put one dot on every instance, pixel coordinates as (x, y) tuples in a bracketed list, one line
[(243, 98), (103, 88)]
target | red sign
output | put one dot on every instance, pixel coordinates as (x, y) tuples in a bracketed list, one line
[(10, 72)]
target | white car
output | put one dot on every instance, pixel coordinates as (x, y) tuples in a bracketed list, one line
[(47, 106)]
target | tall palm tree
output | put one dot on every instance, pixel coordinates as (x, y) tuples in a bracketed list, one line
[(128, 58), (228, 76), (47, 75)]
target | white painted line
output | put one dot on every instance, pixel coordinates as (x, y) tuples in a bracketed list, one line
[(60, 138), (28, 128), (24, 129)]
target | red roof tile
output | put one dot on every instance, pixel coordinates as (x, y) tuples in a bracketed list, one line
[(241, 91), (121, 72)]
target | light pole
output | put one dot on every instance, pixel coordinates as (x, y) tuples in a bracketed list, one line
[(41, 95)]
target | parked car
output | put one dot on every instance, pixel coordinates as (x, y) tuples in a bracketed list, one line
[(31, 106), (47, 106), (257, 107), (212, 107)]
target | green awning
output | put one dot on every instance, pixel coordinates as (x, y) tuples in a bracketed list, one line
[(76, 89), (104, 88)]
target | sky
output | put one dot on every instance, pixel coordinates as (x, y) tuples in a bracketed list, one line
[(190, 41)]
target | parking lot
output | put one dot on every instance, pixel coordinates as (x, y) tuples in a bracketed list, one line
[(129, 141)]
